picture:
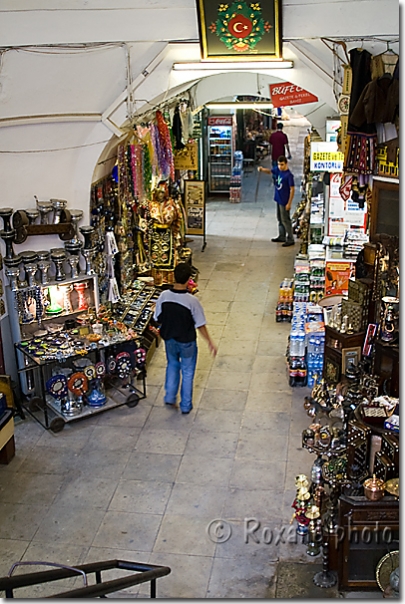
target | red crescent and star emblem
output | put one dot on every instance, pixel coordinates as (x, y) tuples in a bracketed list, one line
[(240, 26)]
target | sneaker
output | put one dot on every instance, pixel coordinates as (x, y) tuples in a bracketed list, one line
[(170, 404), (278, 240), (186, 412), (288, 243)]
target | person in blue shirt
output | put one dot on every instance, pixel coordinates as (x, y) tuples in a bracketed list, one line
[(283, 195)]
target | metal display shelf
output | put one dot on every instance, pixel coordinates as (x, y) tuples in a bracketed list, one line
[(46, 411)]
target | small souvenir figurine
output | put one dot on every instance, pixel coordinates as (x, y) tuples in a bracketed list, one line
[(300, 505)]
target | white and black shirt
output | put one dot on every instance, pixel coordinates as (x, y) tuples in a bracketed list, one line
[(180, 314)]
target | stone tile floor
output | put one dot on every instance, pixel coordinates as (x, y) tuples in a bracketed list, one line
[(145, 484)]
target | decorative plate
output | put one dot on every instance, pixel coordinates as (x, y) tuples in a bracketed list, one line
[(386, 565), (343, 104), (78, 383), (57, 386)]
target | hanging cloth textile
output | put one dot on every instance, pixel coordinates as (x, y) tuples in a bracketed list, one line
[(177, 129), (111, 250), (360, 62), (186, 122)]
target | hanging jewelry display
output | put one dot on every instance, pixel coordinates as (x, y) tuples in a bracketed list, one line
[(103, 209)]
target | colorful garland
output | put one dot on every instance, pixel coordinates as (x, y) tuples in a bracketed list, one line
[(165, 159)]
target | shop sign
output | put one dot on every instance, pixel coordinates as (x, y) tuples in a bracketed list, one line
[(240, 31), (187, 158), (326, 158), (194, 204), (221, 120), (284, 94)]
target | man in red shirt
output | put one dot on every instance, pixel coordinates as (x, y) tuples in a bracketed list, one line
[(279, 143)]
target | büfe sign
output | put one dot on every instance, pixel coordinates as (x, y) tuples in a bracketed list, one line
[(285, 93)]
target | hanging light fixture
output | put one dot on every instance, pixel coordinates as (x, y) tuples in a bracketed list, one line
[(228, 66)]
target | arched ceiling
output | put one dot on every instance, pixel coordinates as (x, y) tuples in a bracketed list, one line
[(66, 67)]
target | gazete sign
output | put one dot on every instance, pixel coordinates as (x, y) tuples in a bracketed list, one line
[(285, 93)]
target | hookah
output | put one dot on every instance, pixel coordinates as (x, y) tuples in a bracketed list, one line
[(32, 216), (67, 304), (76, 216), (73, 261), (54, 308), (300, 505), (314, 530), (44, 207), (94, 374), (57, 388), (88, 250), (12, 271), (58, 206), (43, 266), (30, 271), (78, 384), (80, 288), (8, 233), (389, 318), (73, 246), (58, 255), (27, 258)]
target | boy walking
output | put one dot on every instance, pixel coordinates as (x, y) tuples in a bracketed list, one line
[(180, 314), (283, 195)]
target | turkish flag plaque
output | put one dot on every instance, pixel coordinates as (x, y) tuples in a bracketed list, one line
[(240, 31)]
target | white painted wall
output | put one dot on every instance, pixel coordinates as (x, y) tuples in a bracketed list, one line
[(72, 82)]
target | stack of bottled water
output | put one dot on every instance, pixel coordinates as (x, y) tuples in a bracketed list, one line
[(315, 333), (235, 187), (315, 351), (296, 352)]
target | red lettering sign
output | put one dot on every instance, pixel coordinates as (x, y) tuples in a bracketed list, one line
[(224, 120), (285, 93)]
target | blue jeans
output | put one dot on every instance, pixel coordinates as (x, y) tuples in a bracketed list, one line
[(180, 358)]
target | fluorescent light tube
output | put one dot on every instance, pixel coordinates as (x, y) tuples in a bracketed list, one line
[(228, 66), (240, 105)]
